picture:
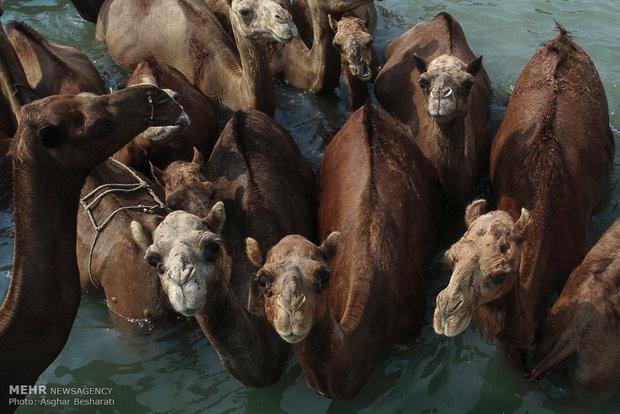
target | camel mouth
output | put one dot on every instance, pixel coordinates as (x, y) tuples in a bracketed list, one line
[(364, 73), (161, 133), (451, 324), (285, 33), (293, 338)]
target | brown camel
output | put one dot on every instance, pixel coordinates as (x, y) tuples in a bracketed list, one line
[(433, 83), (585, 321), (342, 311), (201, 133), (15, 93), (51, 68), (88, 9), (59, 140), (246, 169), (310, 61), (189, 38), (353, 37), (552, 156)]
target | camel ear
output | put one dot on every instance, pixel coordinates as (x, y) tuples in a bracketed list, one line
[(330, 245), (420, 63), (474, 66), (216, 217), (141, 235), (51, 136), (254, 252), (198, 158), (333, 23), (158, 175), (473, 211), (522, 226)]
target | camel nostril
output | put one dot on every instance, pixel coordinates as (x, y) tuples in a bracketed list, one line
[(456, 306), (447, 92)]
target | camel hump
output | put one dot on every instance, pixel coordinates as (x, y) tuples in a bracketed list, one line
[(26, 30)]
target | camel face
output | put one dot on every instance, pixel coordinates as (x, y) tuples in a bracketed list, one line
[(354, 43), (167, 132), (260, 19), (185, 253), (92, 125), (293, 279), (446, 84), (485, 266)]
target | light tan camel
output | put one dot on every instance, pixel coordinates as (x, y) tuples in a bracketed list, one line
[(188, 37)]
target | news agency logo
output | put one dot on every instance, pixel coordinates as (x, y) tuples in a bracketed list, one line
[(42, 395)]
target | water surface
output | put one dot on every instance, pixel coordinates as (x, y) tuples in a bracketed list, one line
[(174, 369)]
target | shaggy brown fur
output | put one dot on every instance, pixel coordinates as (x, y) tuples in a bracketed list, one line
[(585, 320), (552, 155)]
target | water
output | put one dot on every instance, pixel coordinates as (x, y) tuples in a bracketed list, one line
[(176, 370)]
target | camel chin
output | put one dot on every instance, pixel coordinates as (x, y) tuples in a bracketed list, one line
[(164, 133)]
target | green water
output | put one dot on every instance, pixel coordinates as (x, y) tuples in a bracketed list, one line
[(174, 369)]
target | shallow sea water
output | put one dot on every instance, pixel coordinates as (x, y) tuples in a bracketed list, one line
[(174, 368)]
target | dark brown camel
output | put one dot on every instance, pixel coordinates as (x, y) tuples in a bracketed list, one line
[(201, 133), (51, 68), (108, 261), (59, 140), (585, 321), (342, 311), (246, 169), (187, 35), (553, 157), (433, 83)]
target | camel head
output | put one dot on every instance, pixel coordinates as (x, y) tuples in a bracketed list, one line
[(164, 133), (485, 266), (93, 126), (354, 42), (185, 185), (446, 83), (185, 252), (293, 278), (262, 19)]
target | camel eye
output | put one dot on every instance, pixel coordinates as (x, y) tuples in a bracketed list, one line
[(211, 248), (322, 275), (338, 46), (245, 12), (467, 85), (423, 82), (261, 279), (498, 278)]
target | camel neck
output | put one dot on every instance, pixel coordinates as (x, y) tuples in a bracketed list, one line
[(44, 294), (247, 345), (256, 79)]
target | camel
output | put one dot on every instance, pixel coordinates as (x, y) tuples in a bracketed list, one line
[(88, 9), (189, 38), (585, 321), (51, 68), (144, 151), (552, 156), (59, 140), (245, 170), (433, 83), (15, 94), (353, 37), (380, 208), (310, 61)]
